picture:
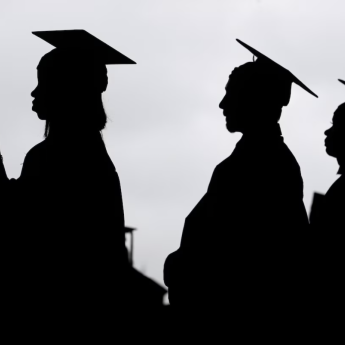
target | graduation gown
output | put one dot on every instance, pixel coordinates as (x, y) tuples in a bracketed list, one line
[(328, 225), (244, 232), (65, 230), (331, 212)]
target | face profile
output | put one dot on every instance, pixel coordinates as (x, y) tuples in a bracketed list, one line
[(234, 108), (240, 98), (73, 76), (69, 91), (47, 96), (246, 100), (335, 136)]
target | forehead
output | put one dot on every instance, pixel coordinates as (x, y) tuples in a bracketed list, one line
[(340, 110), (339, 114), (227, 84), (235, 82)]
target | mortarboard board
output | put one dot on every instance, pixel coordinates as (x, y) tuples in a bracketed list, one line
[(342, 81), (85, 42), (129, 230), (287, 73)]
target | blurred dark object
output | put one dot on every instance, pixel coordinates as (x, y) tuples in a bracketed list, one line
[(316, 208), (146, 292), (129, 231), (143, 291)]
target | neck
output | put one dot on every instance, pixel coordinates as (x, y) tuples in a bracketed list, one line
[(68, 131), (263, 129), (341, 162)]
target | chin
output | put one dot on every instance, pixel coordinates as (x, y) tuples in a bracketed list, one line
[(40, 115), (330, 152), (231, 128)]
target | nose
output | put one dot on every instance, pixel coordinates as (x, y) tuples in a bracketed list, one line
[(34, 92), (328, 131), (221, 104)]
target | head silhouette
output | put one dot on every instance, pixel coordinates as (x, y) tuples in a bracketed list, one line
[(335, 136), (255, 95), (69, 90)]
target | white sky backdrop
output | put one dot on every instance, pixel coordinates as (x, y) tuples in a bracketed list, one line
[(166, 132)]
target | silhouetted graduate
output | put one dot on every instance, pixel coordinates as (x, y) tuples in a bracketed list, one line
[(67, 209), (327, 221), (330, 215), (334, 202), (239, 244)]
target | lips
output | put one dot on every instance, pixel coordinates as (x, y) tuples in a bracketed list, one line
[(34, 106)]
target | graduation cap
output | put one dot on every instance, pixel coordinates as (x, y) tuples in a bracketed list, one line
[(84, 42), (287, 75), (342, 81)]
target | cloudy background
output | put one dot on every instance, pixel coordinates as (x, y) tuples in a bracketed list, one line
[(166, 133)]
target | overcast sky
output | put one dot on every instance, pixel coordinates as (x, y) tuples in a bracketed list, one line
[(166, 132)]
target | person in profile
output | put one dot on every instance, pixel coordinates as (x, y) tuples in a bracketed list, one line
[(327, 221), (330, 213), (334, 201), (67, 205), (239, 242)]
